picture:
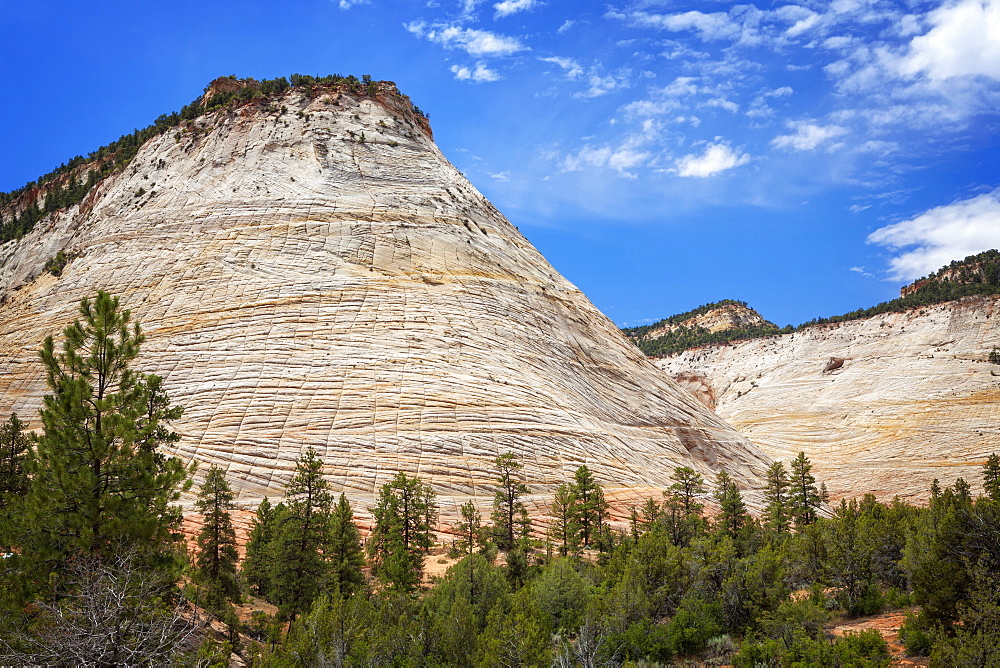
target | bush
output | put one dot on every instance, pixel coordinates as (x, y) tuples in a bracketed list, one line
[(915, 635), (691, 627)]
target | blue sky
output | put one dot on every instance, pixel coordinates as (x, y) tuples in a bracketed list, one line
[(806, 157)]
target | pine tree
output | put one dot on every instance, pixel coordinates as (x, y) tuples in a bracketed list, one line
[(590, 507), (14, 444), (405, 515), (688, 485), (564, 529), (510, 517), (469, 528), (217, 557), (257, 566), (805, 497), (991, 477), (301, 533), (776, 494), (99, 482), (732, 510), (13, 448), (344, 551)]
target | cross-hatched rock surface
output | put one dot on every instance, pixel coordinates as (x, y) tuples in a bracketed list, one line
[(908, 397), (300, 287)]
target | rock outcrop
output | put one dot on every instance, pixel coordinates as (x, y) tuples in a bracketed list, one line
[(881, 405), (721, 317), (312, 272)]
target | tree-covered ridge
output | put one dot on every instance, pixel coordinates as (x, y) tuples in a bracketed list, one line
[(975, 275), (684, 336), (70, 183), (640, 332)]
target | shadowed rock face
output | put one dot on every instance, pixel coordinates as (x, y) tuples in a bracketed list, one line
[(300, 288), (882, 405)]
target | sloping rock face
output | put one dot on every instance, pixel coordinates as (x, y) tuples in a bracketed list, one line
[(882, 405), (300, 287)]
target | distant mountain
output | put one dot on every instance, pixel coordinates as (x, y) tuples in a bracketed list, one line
[(718, 322), (729, 320)]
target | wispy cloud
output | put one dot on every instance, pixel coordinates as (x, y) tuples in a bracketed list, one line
[(715, 159), (479, 73), (623, 158), (807, 136), (566, 25), (347, 4), (508, 7), (599, 84), (714, 26), (936, 237), (478, 43), (570, 67)]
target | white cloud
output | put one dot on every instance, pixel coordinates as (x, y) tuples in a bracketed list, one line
[(479, 43), (622, 158), (714, 26), (723, 103), (860, 270), (602, 84), (347, 4), (500, 176), (480, 73), (807, 136), (716, 159), (964, 41), (568, 65), (567, 24), (801, 18), (940, 235), (508, 7)]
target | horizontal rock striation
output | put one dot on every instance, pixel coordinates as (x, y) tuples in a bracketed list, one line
[(881, 405), (322, 277)]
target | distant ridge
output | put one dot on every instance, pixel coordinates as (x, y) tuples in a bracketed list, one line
[(718, 322), (975, 275)]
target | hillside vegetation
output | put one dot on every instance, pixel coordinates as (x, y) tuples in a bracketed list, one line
[(975, 275), (95, 570), (685, 334)]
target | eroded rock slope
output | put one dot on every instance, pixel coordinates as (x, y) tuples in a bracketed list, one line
[(323, 277), (881, 405)]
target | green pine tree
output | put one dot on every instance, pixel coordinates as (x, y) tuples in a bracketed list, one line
[(564, 530), (776, 493), (14, 444), (991, 477), (733, 515), (805, 498), (405, 515), (469, 528), (344, 551), (216, 559), (13, 451), (510, 516), (257, 564), (301, 534), (100, 483), (590, 507)]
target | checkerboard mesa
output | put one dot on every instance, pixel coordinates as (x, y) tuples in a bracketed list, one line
[(311, 271)]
